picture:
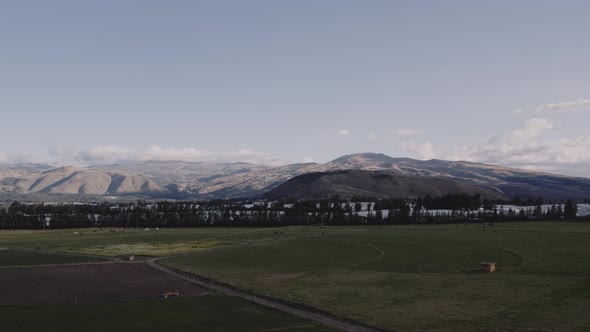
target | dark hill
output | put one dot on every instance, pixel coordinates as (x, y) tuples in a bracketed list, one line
[(377, 184)]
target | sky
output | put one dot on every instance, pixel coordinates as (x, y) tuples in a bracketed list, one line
[(276, 82)]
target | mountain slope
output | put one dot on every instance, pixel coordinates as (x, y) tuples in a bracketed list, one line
[(184, 180), (211, 180), (509, 181), (372, 184), (73, 180)]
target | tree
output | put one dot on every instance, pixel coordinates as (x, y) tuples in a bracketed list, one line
[(570, 210), (379, 217), (357, 207)]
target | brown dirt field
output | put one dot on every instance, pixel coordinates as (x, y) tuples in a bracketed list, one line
[(88, 283)]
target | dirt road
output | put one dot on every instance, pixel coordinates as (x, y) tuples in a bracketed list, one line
[(284, 306)]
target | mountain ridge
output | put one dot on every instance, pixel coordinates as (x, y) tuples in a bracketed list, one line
[(207, 180), (376, 184)]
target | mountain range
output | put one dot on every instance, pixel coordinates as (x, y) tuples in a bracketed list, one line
[(184, 180)]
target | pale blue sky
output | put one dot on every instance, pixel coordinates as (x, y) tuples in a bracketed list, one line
[(85, 82)]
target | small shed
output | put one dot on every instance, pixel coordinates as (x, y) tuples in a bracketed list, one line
[(488, 266), (168, 295)]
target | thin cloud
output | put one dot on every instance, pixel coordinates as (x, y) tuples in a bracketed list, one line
[(343, 132), (422, 151), (406, 132), (114, 154), (108, 154), (19, 157), (372, 137), (568, 106)]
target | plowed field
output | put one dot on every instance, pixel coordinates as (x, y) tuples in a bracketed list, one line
[(88, 283)]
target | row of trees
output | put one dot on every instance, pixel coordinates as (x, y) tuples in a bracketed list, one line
[(329, 211)]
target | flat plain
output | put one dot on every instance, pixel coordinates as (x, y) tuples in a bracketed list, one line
[(403, 278), (209, 313), (51, 267), (89, 283), (110, 243), (423, 278)]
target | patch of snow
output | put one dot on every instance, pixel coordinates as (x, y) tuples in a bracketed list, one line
[(583, 210)]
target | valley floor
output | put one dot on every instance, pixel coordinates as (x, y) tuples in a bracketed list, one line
[(403, 278)]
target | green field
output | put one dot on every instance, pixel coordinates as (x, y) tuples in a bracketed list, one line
[(423, 277), (162, 242), (212, 312), (407, 278)]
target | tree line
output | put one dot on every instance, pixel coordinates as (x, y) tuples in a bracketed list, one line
[(451, 208)]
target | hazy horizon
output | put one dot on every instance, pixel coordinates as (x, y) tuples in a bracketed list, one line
[(268, 82)]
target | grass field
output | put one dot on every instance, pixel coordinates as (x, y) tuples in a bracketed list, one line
[(423, 277), (212, 312), (408, 278), (162, 242)]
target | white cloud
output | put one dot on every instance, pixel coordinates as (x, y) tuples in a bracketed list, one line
[(343, 132), (408, 132), (249, 156), (60, 151), (112, 154), (565, 150), (531, 128), (518, 111), (107, 154), (372, 137), (423, 151), (19, 157), (528, 146), (567, 106)]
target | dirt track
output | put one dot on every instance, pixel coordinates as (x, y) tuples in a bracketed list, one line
[(290, 308), (88, 283)]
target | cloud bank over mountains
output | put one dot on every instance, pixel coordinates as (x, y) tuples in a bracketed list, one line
[(536, 144), (533, 145), (111, 154), (529, 143), (114, 154)]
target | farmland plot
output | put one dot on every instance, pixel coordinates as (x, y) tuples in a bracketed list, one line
[(88, 283)]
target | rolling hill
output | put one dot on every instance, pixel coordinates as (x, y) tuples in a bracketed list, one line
[(85, 181), (378, 184), (184, 180)]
